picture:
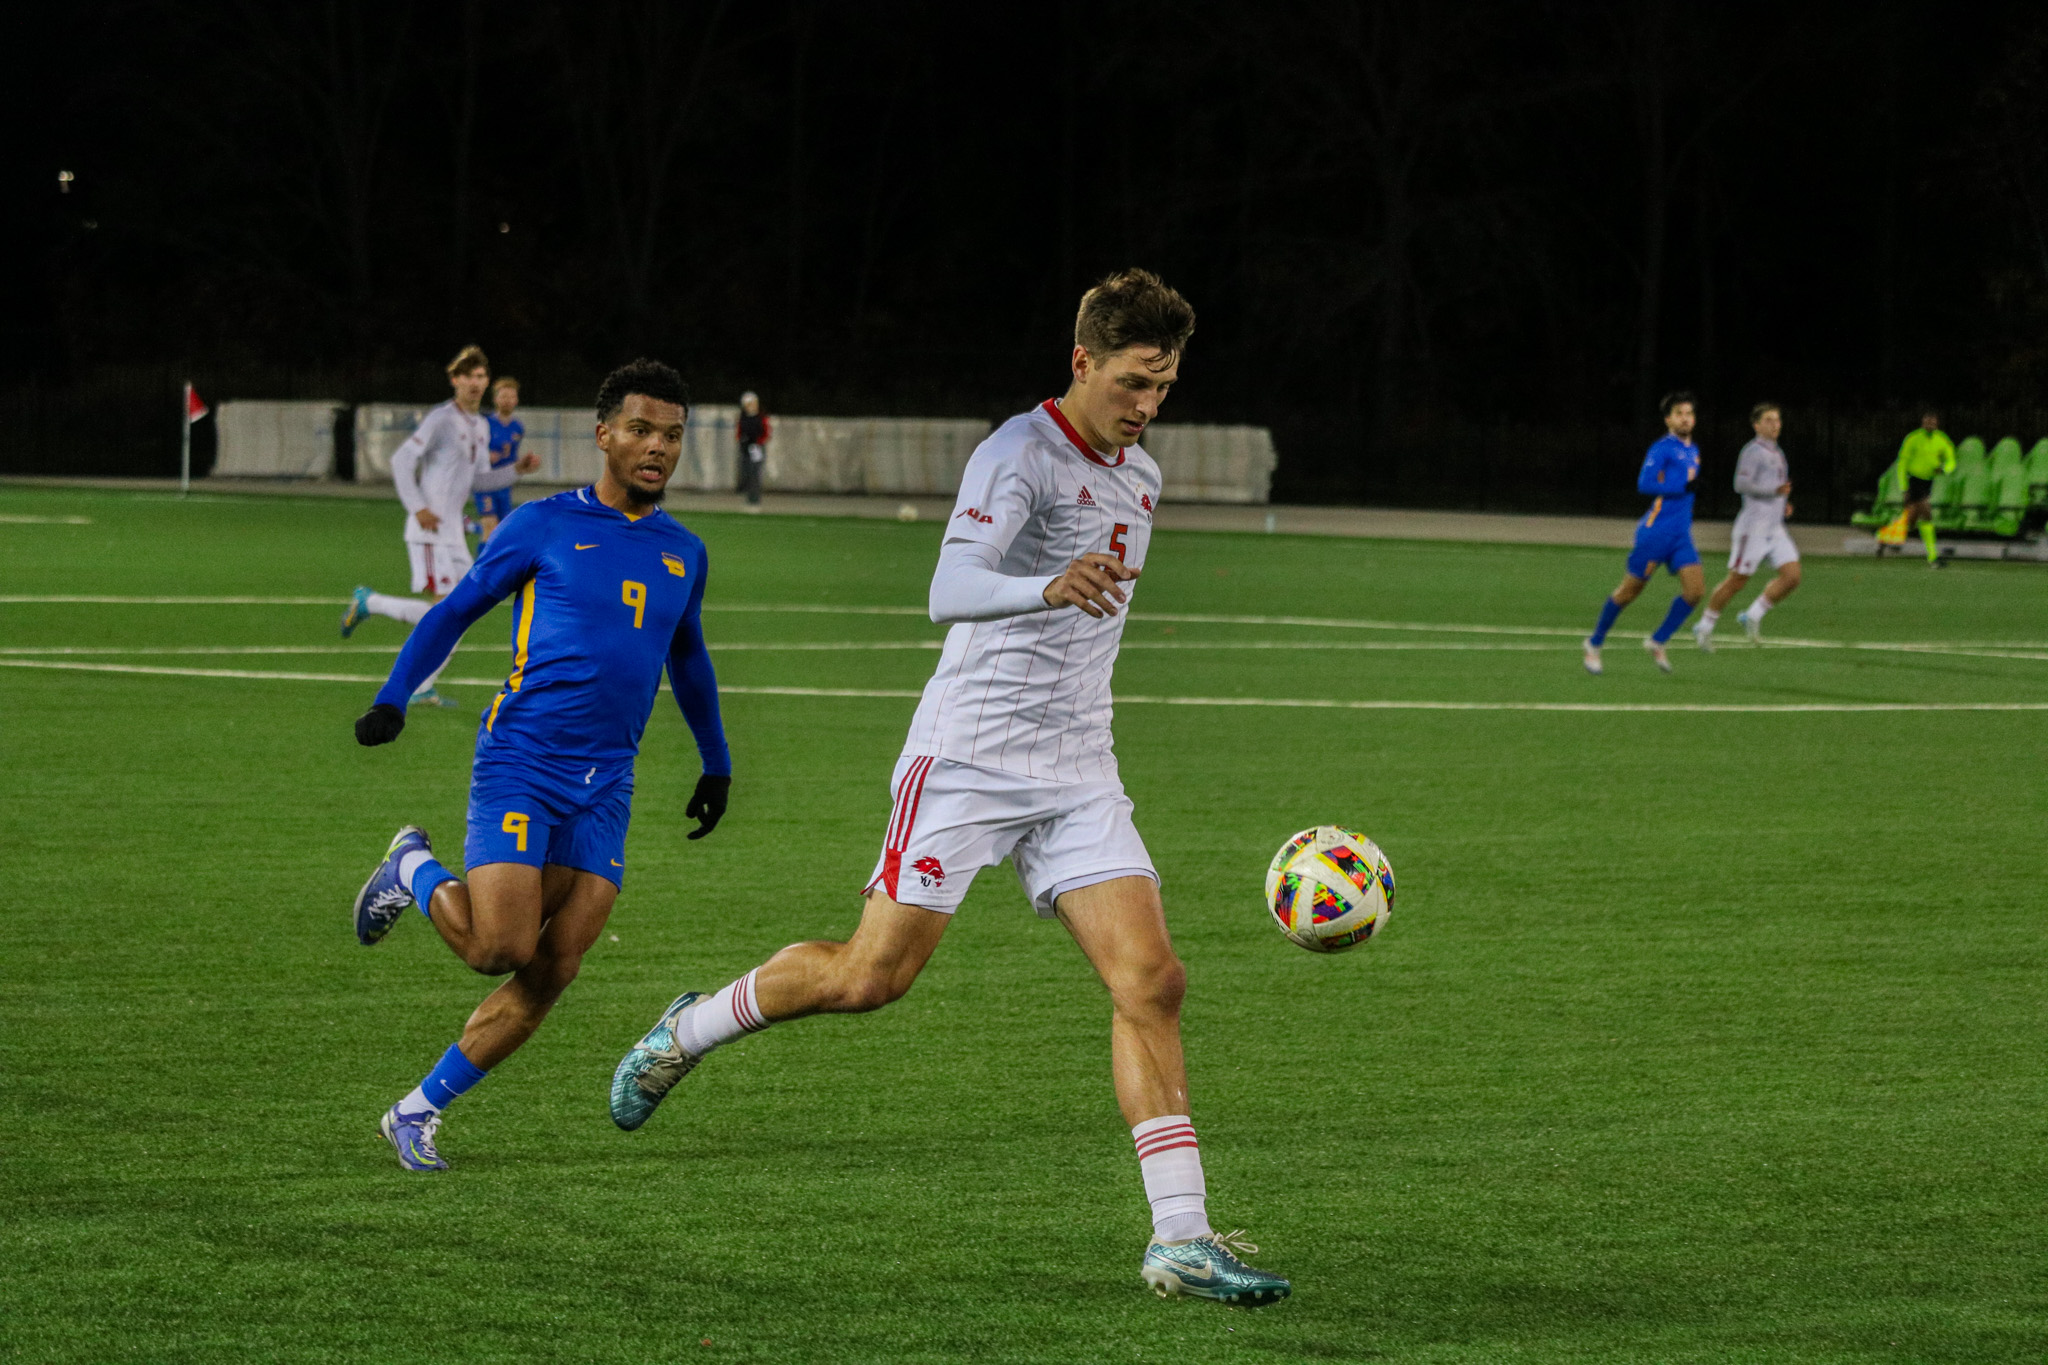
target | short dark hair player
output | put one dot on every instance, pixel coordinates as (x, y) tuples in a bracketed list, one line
[(1663, 535), (608, 590)]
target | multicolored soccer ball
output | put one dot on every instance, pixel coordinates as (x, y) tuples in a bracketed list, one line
[(1330, 889)]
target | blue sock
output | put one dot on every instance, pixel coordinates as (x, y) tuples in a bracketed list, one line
[(1673, 619), (451, 1076), (1610, 612), (422, 880)]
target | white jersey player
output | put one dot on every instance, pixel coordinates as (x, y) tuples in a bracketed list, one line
[(433, 470), (1765, 482), (1009, 755)]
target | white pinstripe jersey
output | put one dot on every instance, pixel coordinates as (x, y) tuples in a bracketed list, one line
[(1030, 694)]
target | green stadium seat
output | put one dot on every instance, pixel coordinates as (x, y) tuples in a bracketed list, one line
[(1891, 496), (1946, 496), (2037, 473), (2009, 498), (1981, 479)]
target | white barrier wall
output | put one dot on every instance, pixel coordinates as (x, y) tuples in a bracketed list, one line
[(906, 456), (566, 441), (916, 455), (275, 440), (1213, 464)]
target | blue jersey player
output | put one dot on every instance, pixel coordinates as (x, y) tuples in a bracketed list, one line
[(492, 485), (1663, 536), (607, 589)]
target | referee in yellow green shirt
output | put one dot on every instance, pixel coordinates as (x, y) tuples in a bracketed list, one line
[(1923, 452)]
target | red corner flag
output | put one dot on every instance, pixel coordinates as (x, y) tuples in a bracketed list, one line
[(194, 409)]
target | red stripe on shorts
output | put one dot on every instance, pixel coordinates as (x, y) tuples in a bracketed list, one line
[(908, 794)]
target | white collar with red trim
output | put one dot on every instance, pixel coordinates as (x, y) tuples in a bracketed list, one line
[(1052, 406)]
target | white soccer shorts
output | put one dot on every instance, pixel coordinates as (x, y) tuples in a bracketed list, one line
[(951, 820), (1757, 539), (437, 566)]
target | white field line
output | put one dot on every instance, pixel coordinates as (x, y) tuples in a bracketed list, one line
[(2026, 649), (17, 519), (770, 646), (1290, 703)]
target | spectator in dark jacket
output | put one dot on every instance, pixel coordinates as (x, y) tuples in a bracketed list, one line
[(752, 431)]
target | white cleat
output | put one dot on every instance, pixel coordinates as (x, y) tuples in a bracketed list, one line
[(1703, 636), (1752, 627), (1592, 658), (1659, 653)]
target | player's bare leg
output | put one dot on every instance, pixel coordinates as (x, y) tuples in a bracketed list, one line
[(1724, 592), (568, 908), (1121, 928), (493, 922), (1777, 590), (534, 923), (876, 966)]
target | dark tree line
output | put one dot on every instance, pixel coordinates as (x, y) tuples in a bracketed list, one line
[(1450, 252)]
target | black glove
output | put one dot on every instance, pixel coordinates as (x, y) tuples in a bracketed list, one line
[(707, 803), (379, 725)]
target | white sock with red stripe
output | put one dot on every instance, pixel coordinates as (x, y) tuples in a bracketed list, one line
[(1171, 1162), (408, 609), (717, 1020)]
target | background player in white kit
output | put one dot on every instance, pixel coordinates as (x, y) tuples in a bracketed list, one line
[(1765, 482), (1009, 755), (433, 470)]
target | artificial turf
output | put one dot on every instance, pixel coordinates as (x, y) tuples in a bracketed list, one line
[(1696, 1036)]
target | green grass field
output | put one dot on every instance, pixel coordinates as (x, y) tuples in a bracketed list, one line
[(1709, 1035)]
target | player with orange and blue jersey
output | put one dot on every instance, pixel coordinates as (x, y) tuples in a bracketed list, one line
[(1663, 535), (608, 589)]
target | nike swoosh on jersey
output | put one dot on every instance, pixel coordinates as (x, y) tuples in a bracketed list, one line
[(591, 546)]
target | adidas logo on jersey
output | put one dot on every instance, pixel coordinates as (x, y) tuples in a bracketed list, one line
[(1086, 499)]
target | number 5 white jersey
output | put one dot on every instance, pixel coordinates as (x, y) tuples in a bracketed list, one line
[(1030, 694)]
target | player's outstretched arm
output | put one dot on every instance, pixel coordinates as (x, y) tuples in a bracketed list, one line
[(429, 645), (691, 677), (1090, 583), (508, 561)]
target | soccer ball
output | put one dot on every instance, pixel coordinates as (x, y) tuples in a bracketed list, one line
[(1330, 889)]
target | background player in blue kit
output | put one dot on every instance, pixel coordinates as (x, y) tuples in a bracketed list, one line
[(1663, 536), (492, 484), (609, 589)]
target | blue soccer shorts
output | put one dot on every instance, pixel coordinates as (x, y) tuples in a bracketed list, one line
[(523, 809), (495, 502), (1670, 546)]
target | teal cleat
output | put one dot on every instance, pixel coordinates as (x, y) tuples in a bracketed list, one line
[(357, 612), (651, 1068), (429, 697), (1208, 1268)]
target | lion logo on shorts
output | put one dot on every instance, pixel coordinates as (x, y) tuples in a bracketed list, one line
[(929, 873)]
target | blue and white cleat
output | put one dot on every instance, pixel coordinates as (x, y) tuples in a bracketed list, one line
[(1208, 1268), (1753, 627), (413, 1137), (357, 612), (651, 1068), (385, 896), (427, 696)]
